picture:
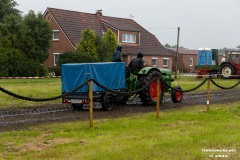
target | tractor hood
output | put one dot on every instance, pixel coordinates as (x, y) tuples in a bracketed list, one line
[(164, 71)]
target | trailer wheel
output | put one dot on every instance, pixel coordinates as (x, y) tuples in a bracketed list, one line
[(108, 102), (227, 70), (77, 106), (176, 95), (149, 94)]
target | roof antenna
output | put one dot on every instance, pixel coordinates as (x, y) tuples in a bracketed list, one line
[(131, 16), (99, 12)]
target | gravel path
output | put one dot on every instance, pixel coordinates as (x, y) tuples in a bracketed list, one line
[(15, 119)]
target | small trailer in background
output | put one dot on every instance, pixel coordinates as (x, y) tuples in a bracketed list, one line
[(207, 62)]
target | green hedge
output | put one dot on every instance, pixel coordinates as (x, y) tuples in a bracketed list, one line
[(14, 63)]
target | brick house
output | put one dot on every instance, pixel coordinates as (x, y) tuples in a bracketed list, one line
[(68, 25)]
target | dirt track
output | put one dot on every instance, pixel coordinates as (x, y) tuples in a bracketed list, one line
[(15, 119)]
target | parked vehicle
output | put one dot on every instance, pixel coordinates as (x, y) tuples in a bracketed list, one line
[(208, 63), (231, 66), (115, 76)]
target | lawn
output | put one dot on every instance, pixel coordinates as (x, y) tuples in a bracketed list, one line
[(183, 133), (51, 87), (35, 88)]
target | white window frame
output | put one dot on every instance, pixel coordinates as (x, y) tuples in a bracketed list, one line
[(55, 39), (167, 60), (54, 58), (128, 38), (191, 61), (154, 65)]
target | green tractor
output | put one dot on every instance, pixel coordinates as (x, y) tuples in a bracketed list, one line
[(148, 96), (116, 77)]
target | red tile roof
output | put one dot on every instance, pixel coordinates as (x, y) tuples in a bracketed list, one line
[(184, 51), (73, 22)]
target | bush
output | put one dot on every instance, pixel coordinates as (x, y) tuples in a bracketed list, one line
[(55, 70), (14, 63), (43, 71), (76, 57)]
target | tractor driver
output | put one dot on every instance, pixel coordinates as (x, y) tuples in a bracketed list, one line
[(137, 63)]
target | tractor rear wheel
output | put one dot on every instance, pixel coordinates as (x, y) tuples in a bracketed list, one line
[(149, 94), (176, 95), (227, 70)]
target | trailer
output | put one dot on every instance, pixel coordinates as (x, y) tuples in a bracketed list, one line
[(117, 77), (207, 62)]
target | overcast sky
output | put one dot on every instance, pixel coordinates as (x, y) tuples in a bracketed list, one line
[(203, 23)]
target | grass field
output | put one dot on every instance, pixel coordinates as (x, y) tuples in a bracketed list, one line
[(183, 133), (35, 88), (178, 134), (51, 87)]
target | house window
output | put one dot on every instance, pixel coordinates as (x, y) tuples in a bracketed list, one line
[(55, 35), (129, 38), (191, 61), (56, 57), (165, 62), (154, 62)]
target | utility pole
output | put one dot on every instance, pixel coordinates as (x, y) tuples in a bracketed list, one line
[(177, 52)]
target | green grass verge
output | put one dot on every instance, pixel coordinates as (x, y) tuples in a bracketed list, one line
[(35, 88), (187, 83), (51, 87), (180, 133)]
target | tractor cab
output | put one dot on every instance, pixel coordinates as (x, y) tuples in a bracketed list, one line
[(231, 66)]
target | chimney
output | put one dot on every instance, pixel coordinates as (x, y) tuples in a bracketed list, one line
[(99, 12)]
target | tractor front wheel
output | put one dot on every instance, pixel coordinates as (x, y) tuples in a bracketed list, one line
[(176, 95), (149, 94)]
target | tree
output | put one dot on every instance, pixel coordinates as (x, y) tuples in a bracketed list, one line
[(11, 31), (109, 43), (167, 45), (24, 41), (99, 46), (173, 46), (238, 46), (7, 7), (38, 37), (87, 43)]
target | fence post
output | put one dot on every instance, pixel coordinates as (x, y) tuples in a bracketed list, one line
[(90, 92), (208, 94), (157, 99)]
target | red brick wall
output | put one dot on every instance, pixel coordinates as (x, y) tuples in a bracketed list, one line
[(148, 61), (186, 61), (59, 46)]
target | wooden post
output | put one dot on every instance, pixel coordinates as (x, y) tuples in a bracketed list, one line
[(208, 94), (157, 99), (176, 61), (90, 92)]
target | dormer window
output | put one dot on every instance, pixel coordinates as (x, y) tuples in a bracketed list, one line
[(55, 35), (128, 38)]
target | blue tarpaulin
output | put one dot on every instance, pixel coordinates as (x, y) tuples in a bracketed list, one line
[(109, 74)]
